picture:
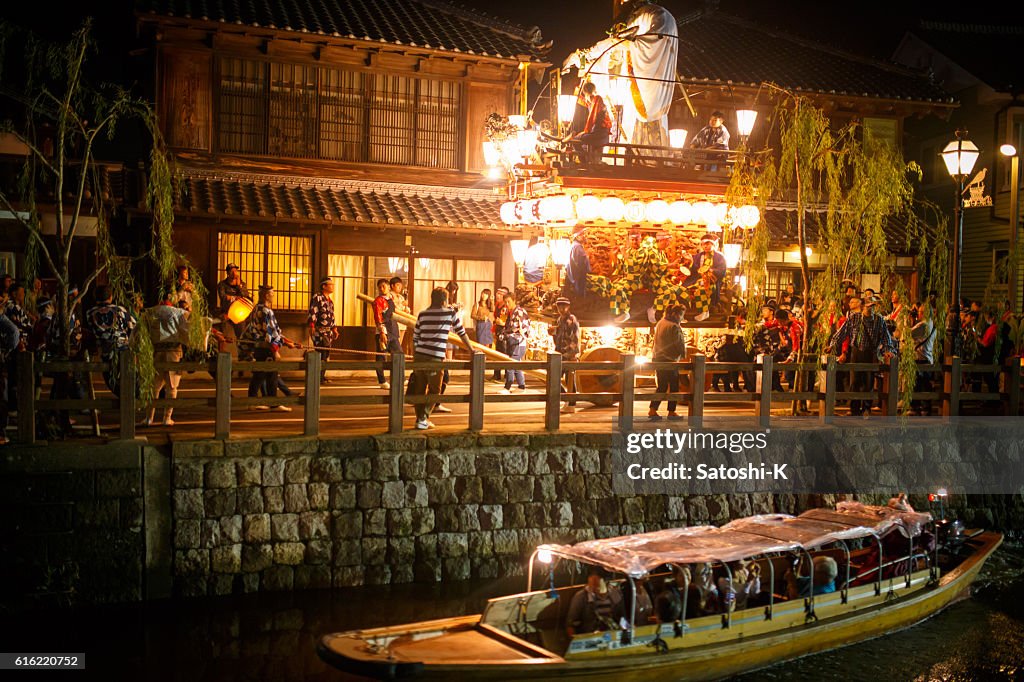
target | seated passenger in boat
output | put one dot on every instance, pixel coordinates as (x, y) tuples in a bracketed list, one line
[(703, 579), (593, 607), (825, 571), (742, 589), (644, 612), (668, 605)]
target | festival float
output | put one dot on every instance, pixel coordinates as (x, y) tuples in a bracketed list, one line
[(638, 226)]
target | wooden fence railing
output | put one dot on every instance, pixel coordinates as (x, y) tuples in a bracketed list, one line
[(951, 393)]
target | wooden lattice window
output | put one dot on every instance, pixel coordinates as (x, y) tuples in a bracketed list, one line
[(293, 115), (242, 106), (342, 115), (284, 262)]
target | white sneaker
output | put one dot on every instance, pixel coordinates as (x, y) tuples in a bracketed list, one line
[(385, 386), (281, 408), (258, 408), (442, 409), (506, 391), (568, 409), (703, 316), (424, 424)]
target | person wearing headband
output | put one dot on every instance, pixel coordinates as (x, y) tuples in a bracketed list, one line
[(322, 330)]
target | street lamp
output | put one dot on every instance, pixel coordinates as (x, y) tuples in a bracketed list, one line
[(1011, 151), (745, 119), (959, 156)]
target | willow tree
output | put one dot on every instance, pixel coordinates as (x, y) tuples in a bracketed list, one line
[(64, 120), (845, 191)]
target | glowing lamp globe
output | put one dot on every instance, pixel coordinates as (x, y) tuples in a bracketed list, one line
[(566, 108), (750, 216), (635, 211), (560, 251), (960, 156), (557, 209), (657, 211), (519, 249), (680, 212), (508, 213), (612, 209), (745, 119), (702, 212), (677, 138), (588, 208), (492, 154), (240, 310), (732, 253), (527, 142), (719, 213)]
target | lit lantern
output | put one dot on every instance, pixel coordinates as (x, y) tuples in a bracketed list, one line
[(517, 121), (508, 213), (566, 108), (677, 138), (750, 216), (527, 142), (635, 211), (519, 249), (720, 213), (560, 251), (557, 209), (588, 208), (527, 211), (680, 212), (657, 211), (492, 154), (732, 216), (240, 310), (745, 121), (703, 212), (612, 209), (732, 253)]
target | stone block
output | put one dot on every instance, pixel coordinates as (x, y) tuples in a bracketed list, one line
[(393, 495), (405, 442), (314, 525), (537, 515), (249, 471), (348, 552), (250, 583), (209, 534), (609, 511), (514, 515), (561, 515), (488, 463), (360, 444), (401, 551), (273, 472), (401, 574), (447, 518), (490, 516), (422, 521), (441, 491), (296, 470), (250, 500), (529, 538), (375, 551), (495, 491), (598, 440), (226, 559), (378, 575), (538, 463), (256, 558), (298, 445), (481, 545), (319, 496), (452, 545), (514, 462), (197, 448), (572, 488), (632, 510), (326, 469), (599, 486), (347, 576), (278, 579), (503, 440), (437, 465), (469, 489), (468, 519), (220, 502), (231, 529), (545, 489), (675, 510), (588, 462), (256, 528), (343, 496), (188, 504), (296, 499), (456, 568), (368, 494), (347, 524), (188, 474), (552, 441), (426, 547), (289, 553), (385, 466), (243, 448), (284, 527), (520, 488), (186, 534), (487, 568), (585, 514), (375, 522), (697, 510), (192, 562), (412, 465), (505, 542), (220, 474), (273, 499), (316, 577), (222, 585), (191, 586), (427, 570), (461, 464), (399, 522), (560, 462)]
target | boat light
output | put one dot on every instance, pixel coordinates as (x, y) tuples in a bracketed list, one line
[(588, 208), (612, 209), (544, 555)]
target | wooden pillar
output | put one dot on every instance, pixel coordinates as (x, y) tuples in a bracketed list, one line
[(893, 395), (311, 411), (553, 391), (827, 408), (952, 376), (26, 397), (126, 383), (628, 392), (765, 413), (396, 403), (222, 430), (697, 378), (477, 377), (1013, 388)]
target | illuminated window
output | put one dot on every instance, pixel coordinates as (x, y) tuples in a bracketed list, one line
[(881, 129), (283, 262)]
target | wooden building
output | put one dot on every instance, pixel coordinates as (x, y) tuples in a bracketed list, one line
[(323, 138)]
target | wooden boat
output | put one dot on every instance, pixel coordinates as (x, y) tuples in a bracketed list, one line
[(523, 636)]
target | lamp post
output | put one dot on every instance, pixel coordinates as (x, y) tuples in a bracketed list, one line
[(959, 156), (745, 119), (1011, 151)]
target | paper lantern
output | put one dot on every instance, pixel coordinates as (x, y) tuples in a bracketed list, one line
[(677, 138), (750, 216), (557, 209), (719, 213), (560, 251), (745, 121), (240, 310), (657, 211), (612, 209), (680, 212), (635, 211), (527, 140), (732, 253), (492, 154), (566, 108), (519, 248), (508, 213), (588, 208), (702, 212)]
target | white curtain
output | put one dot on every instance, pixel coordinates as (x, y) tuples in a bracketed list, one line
[(349, 277), (429, 273), (473, 277)]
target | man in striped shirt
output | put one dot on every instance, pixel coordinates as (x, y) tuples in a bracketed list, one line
[(430, 341)]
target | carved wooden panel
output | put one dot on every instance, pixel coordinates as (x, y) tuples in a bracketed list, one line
[(186, 105), (482, 100)]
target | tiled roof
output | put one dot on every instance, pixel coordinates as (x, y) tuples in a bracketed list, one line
[(219, 195), (715, 47), (418, 23), (990, 53), (781, 222)]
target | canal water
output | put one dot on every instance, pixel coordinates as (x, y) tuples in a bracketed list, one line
[(272, 637)]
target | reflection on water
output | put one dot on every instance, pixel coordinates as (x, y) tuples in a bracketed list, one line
[(272, 637)]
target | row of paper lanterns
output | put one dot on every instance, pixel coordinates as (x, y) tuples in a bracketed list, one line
[(561, 209)]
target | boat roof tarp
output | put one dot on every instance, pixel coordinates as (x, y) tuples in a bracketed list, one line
[(637, 555)]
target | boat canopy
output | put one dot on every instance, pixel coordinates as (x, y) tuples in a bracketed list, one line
[(637, 555)]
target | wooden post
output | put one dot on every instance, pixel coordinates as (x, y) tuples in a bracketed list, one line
[(311, 411), (553, 391), (696, 413), (126, 383), (628, 391), (894, 388), (766, 391), (1013, 388), (951, 378), (26, 398), (477, 376), (396, 404), (223, 397), (828, 403)]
